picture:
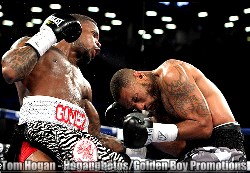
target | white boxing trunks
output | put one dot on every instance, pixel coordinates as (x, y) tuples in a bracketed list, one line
[(60, 129), (54, 110)]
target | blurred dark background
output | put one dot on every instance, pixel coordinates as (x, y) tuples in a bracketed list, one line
[(220, 53)]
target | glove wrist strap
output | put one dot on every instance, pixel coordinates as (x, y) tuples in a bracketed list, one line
[(43, 40), (139, 152), (162, 133)]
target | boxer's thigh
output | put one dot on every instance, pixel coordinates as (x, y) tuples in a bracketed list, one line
[(39, 156)]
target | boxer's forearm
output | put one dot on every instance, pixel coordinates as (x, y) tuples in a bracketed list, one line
[(95, 129), (93, 116), (111, 142), (173, 148)]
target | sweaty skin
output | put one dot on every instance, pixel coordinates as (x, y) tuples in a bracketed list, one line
[(56, 74), (185, 97)]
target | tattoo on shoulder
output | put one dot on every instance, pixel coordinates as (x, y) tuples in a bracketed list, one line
[(183, 97)]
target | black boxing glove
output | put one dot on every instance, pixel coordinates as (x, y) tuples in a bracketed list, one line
[(139, 131), (115, 114), (136, 129), (55, 28)]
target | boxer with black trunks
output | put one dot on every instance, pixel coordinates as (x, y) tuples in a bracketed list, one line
[(57, 119), (185, 110)]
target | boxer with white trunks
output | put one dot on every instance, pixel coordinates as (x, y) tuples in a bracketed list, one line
[(57, 119)]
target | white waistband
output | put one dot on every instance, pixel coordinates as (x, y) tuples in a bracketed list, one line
[(51, 109), (233, 123)]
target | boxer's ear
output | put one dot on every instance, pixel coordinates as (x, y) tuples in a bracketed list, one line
[(139, 74)]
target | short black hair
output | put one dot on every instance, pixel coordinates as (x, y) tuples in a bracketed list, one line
[(82, 18), (120, 79)]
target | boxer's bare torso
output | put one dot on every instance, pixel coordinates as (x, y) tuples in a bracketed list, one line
[(57, 75), (217, 106), (180, 94), (54, 70)]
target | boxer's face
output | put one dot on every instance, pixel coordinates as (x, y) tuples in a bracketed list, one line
[(88, 45), (142, 96)]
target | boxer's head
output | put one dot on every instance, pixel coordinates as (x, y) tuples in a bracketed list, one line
[(87, 46), (135, 89)]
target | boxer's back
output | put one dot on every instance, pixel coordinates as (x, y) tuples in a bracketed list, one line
[(218, 106), (217, 103)]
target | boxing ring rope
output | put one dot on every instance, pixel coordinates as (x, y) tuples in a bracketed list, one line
[(13, 115)]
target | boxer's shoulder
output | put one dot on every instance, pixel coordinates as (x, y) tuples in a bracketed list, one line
[(20, 42)]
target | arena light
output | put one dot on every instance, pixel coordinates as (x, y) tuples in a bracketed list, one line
[(233, 18), (36, 21), (29, 24), (116, 22), (36, 9), (165, 3), (93, 9), (105, 28), (247, 29), (8, 22), (151, 13), (202, 14), (170, 26), (246, 11), (55, 6), (179, 4), (1, 14), (141, 32), (248, 39), (229, 25), (146, 36), (166, 19), (0, 6), (110, 15), (158, 31)]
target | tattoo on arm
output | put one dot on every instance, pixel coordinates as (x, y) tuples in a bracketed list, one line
[(184, 100), (23, 61)]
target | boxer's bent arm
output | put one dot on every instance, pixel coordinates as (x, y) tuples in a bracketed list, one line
[(19, 61), (94, 120), (173, 148), (188, 103), (95, 128), (112, 143)]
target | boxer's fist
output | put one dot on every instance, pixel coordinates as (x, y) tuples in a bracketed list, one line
[(55, 28), (64, 26), (115, 114), (136, 127)]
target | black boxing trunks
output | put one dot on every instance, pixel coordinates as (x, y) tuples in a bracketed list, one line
[(225, 137), (228, 135), (60, 129)]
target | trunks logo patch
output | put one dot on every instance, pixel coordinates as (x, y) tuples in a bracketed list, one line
[(85, 150), (69, 116)]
